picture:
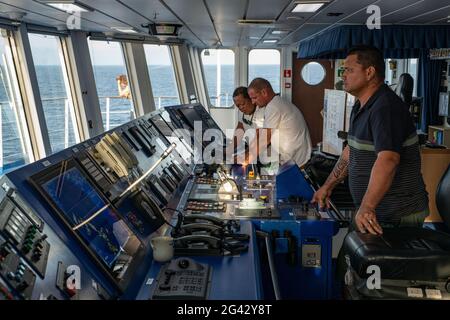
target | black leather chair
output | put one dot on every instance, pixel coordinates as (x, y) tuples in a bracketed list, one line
[(408, 257), (404, 88)]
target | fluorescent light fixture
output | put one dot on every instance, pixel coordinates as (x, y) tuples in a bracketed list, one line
[(164, 29), (279, 31), (67, 5), (270, 41), (124, 29), (307, 7)]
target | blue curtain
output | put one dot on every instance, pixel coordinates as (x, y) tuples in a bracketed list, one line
[(428, 87), (396, 42)]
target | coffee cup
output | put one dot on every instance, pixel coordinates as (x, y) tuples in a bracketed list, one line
[(162, 248)]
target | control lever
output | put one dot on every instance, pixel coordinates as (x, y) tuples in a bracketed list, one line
[(292, 248)]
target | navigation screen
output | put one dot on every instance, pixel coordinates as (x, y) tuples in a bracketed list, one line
[(76, 199)]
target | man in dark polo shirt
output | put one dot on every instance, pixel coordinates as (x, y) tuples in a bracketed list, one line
[(382, 159)]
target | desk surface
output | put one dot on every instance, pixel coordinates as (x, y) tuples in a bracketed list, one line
[(233, 277)]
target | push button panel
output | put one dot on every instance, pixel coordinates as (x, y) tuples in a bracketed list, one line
[(15, 272), (24, 235)]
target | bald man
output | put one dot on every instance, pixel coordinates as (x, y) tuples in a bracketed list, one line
[(284, 124)]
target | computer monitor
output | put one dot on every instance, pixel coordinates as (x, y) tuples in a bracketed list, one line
[(74, 198)]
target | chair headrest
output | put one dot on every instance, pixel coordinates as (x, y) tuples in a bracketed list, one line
[(404, 88), (443, 197)]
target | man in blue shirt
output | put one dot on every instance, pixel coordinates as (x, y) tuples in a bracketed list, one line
[(382, 159)]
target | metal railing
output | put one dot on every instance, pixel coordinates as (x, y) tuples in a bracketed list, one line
[(161, 98), (218, 99)]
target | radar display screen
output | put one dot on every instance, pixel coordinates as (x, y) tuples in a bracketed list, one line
[(75, 199)]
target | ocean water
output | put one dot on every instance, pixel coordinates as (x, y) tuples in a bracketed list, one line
[(57, 109)]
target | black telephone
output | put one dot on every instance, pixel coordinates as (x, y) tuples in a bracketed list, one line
[(198, 241), (230, 225), (210, 229), (148, 208), (183, 278), (199, 218)]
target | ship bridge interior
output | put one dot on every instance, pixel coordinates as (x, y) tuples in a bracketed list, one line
[(111, 111)]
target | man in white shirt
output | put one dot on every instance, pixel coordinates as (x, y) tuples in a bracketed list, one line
[(284, 125), (249, 117)]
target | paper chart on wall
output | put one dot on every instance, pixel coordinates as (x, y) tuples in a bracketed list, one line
[(334, 120)]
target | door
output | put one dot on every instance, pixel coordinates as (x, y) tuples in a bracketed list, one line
[(308, 91)]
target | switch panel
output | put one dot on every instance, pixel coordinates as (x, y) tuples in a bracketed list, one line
[(15, 272), (24, 235)]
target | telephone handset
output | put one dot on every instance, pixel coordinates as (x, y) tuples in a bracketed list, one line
[(123, 148), (111, 158), (196, 228), (148, 208), (198, 240), (193, 218)]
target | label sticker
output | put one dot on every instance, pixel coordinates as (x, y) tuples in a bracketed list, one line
[(149, 281), (414, 292), (433, 293), (46, 163)]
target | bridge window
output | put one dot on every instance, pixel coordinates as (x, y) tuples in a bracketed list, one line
[(218, 66), (162, 77), (15, 146), (265, 63), (111, 79), (54, 90)]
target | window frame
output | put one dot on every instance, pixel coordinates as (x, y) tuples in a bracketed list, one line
[(69, 84), (25, 121), (210, 105), (279, 70), (174, 73), (123, 49)]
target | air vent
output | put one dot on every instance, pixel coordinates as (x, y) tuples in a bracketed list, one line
[(256, 22)]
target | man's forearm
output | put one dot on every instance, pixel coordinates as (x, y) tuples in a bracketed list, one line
[(382, 174), (340, 170), (259, 144)]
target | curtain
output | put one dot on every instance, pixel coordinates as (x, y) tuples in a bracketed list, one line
[(428, 87)]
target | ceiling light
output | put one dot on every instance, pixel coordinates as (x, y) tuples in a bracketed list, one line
[(270, 41), (307, 7), (67, 5), (279, 31), (124, 29)]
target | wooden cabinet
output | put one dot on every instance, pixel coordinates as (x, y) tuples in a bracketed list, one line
[(434, 164)]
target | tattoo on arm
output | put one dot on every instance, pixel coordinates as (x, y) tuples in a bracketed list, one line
[(339, 173)]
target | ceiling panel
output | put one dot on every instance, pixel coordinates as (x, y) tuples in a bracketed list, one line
[(195, 15), (302, 33), (349, 8), (199, 30), (44, 15), (225, 15), (150, 8), (266, 9), (414, 10)]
